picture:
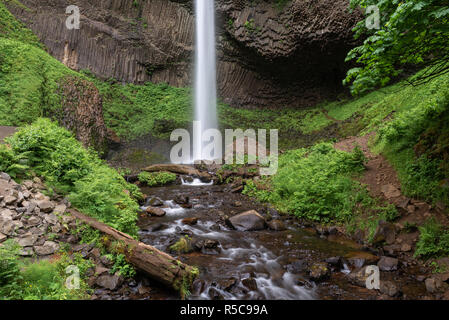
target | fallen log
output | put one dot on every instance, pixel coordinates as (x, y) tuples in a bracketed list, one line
[(178, 169), (156, 264)]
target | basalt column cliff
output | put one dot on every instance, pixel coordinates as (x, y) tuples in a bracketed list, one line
[(269, 54)]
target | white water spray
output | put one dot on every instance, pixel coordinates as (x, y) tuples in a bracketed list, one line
[(205, 75)]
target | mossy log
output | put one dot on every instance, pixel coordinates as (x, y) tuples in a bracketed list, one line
[(158, 265), (178, 169)]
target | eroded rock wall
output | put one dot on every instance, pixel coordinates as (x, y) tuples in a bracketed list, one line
[(268, 56)]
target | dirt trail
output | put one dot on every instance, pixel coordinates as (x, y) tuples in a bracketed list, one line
[(382, 183)]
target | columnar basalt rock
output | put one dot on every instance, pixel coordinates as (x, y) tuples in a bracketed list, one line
[(267, 56)]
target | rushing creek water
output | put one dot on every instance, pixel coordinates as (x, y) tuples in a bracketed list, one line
[(245, 265)]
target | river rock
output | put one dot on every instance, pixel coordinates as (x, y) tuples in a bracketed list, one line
[(385, 232), (190, 221), (359, 258), (387, 264), (156, 212), (319, 271), (247, 221), (154, 202), (250, 283), (48, 248), (181, 199), (388, 288), (276, 225)]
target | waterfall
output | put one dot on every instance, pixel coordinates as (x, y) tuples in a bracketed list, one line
[(205, 73)]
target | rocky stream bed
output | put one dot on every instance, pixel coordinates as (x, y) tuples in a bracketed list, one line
[(243, 249)]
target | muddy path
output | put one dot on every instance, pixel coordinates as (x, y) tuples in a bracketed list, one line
[(265, 264)]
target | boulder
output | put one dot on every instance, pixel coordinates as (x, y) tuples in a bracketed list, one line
[(49, 247), (3, 237), (27, 240), (359, 258), (45, 206), (154, 202), (388, 288), (247, 221), (190, 221), (110, 282), (387, 264), (155, 212)]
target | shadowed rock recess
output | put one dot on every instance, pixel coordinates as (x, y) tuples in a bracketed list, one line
[(268, 55)]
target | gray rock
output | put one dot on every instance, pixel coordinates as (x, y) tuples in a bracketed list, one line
[(156, 212), (5, 176), (110, 282), (3, 237), (46, 206), (9, 200), (247, 221), (433, 284), (387, 264), (33, 221), (27, 240), (8, 227), (48, 248), (60, 208), (51, 219), (27, 252), (154, 202), (388, 288)]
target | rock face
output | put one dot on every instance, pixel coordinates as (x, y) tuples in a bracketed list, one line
[(268, 56), (83, 112)]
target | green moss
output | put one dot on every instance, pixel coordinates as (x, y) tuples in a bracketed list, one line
[(153, 179)]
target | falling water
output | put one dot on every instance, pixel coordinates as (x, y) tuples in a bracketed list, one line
[(205, 73)]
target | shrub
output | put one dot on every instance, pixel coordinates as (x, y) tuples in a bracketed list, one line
[(433, 240), (42, 280), (92, 186), (315, 183)]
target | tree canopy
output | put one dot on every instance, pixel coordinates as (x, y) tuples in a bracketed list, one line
[(410, 33)]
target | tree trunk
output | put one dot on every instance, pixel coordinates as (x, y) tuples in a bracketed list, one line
[(156, 264)]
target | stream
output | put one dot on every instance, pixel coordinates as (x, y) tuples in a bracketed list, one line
[(245, 264)]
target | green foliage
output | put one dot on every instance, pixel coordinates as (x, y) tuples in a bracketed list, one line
[(433, 240), (416, 141), (12, 163), (93, 187), (316, 183), (42, 280), (11, 28), (122, 266), (29, 82), (153, 179), (413, 32)]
